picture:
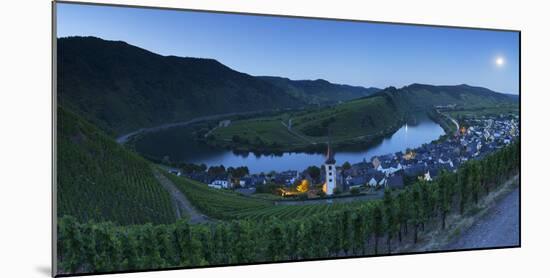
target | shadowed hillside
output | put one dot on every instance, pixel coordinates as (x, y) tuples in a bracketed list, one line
[(97, 179), (120, 87), (422, 97)]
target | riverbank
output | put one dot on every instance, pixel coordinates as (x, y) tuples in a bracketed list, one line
[(128, 136), (448, 124), (354, 124), (310, 147), (178, 145)]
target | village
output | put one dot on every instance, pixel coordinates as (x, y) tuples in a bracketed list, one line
[(475, 138)]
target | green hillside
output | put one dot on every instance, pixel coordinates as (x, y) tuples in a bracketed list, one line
[(358, 121), (97, 179), (319, 91), (121, 88), (421, 96), (219, 204)]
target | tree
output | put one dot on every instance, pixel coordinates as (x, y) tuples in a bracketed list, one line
[(238, 172), (164, 235), (276, 238), (416, 211), (485, 173), (346, 166), (426, 195), (220, 246), (359, 230), (402, 213), (244, 241), (474, 181), (346, 231), (70, 243), (216, 170), (187, 244), (314, 172), (443, 198), (463, 187), (377, 225), (389, 216)]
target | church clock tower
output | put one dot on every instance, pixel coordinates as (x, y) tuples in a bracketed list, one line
[(330, 172)]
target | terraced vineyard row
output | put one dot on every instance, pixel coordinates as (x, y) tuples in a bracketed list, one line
[(100, 180), (295, 211), (217, 203), (226, 205)]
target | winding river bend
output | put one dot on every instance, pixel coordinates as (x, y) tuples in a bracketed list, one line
[(179, 146)]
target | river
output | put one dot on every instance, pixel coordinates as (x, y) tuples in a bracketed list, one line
[(179, 146)]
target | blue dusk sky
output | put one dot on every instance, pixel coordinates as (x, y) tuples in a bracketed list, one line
[(354, 53)]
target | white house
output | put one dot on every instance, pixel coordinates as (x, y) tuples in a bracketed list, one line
[(219, 184), (389, 170)]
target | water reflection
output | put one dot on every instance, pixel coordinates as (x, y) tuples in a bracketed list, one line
[(181, 148)]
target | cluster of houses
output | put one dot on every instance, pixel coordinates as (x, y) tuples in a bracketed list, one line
[(475, 139)]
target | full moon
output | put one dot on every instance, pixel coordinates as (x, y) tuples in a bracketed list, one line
[(499, 61)]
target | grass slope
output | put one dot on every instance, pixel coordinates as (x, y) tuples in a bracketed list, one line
[(100, 180), (360, 120)]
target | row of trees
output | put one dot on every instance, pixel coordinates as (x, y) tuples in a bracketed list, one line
[(357, 230)]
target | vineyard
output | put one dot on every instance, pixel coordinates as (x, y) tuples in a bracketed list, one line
[(295, 211), (219, 204), (228, 205), (402, 217), (101, 181)]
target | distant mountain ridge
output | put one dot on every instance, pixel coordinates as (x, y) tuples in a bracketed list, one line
[(422, 96), (122, 88), (320, 91)]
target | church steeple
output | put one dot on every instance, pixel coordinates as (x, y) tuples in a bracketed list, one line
[(330, 155), (330, 171)]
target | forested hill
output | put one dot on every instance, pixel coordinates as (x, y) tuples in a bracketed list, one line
[(98, 179), (121, 88), (320, 91), (423, 97)]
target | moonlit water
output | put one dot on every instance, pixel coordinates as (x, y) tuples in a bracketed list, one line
[(408, 136)]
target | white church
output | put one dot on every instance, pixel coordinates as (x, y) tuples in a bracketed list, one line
[(330, 172)]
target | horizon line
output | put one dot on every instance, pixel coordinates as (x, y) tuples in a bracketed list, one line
[(305, 79)]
